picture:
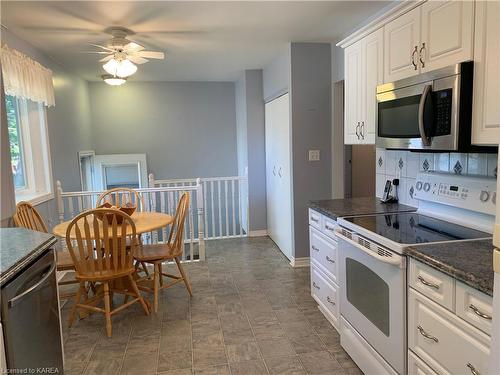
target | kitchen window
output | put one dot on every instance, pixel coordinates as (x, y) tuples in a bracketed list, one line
[(29, 149)]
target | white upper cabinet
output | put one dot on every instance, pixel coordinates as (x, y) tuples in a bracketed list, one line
[(363, 72), (352, 96), (401, 44), (486, 98), (372, 58), (446, 36)]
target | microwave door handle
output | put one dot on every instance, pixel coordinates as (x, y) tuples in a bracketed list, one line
[(426, 141)]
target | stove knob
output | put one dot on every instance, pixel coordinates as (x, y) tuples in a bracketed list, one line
[(484, 196), (427, 186), (419, 185)]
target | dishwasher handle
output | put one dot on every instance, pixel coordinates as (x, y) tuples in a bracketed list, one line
[(14, 301)]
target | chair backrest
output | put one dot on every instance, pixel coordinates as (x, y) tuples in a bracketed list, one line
[(121, 196), (101, 239), (27, 216), (176, 237)]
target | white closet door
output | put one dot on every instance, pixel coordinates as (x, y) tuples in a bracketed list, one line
[(278, 172)]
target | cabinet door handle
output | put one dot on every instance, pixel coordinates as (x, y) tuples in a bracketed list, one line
[(330, 259), (279, 172), (314, 285), (479, 312), (362, 130), (314, 219), (314, 248), (330, 300), (357, 130), (327, 227), (420, 55), (426, 335), (415, 51), (472, 369), (427, 283)]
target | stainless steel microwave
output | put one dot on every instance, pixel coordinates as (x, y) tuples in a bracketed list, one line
[(431, 111)]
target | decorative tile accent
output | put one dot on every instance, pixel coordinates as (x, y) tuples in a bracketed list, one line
[(401, 163), (462, 159), (411, 191), (425, 165), (457, 168), (426, 162), (380, 161), (492, 162)]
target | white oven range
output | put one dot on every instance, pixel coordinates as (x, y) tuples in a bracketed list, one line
[(373, 265)]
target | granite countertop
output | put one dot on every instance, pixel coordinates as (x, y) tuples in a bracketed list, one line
[(18, 247), (469, 261), (335, 208)]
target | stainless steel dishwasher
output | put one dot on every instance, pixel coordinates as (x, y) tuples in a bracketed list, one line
[(30, 318)]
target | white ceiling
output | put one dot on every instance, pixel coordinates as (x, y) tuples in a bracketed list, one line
[(209, 41)]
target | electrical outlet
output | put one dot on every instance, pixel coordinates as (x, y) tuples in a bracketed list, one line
[(313, 155)]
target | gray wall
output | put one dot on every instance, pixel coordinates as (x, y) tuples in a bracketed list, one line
[(187, 129), (310, 90), (68, 122), (276, 76)]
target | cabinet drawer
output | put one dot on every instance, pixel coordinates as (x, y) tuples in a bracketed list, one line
[(474, 307), (326, 294), (329, 226), (444, 341), (324, 251), (418, 367), (434, 284), (315, 219)]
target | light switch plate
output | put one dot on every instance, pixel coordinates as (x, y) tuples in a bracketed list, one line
[(314, 155)]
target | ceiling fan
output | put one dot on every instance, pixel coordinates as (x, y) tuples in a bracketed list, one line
[(122, 54)]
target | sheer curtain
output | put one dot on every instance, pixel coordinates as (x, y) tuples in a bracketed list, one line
[(25, 78)]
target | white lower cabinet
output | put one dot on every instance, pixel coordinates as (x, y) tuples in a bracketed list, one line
[(324, 266), (444, 342)]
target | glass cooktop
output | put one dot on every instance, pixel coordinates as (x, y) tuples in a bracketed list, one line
[(412, 228)]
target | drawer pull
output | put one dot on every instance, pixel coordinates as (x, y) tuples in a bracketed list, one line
[(314, 285), (330, 259), (330, 300), (314, 219), (479, 313), (472, 369), (426, 335), (314, 248), (427, 283), (327, 227)]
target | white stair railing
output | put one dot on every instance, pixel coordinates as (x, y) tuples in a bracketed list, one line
[(224, 201), (157, 199)]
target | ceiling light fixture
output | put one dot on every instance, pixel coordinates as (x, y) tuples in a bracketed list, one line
[(120, 68), (113, 80)]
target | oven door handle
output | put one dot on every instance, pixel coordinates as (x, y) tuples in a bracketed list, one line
[(426, 141), (395, 260), (14, 301)]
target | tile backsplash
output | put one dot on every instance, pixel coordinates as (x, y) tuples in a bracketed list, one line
[(405, 165)]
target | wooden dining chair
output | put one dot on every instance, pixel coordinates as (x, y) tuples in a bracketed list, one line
[(120, 197), (28, 217), (172, 250), (102, 250)]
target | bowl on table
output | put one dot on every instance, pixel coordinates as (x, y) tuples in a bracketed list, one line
[(128, 208)]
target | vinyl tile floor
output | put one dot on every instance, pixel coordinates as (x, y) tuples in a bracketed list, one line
[(251, 313)]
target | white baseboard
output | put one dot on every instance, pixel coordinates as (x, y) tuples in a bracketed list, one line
[(299, 262), (257, 233)]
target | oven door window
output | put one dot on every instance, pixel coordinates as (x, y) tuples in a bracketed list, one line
[(368, 293), (398, 118)]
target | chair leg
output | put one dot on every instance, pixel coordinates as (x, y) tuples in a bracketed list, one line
[(184, 277), (145, 269), (155, 287), (107, 308), (139, 295), (160, 272), (78, 296)]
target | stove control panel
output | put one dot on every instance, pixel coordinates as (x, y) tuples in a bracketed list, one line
[(468, 192)]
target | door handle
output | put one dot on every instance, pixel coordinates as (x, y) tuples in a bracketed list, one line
[(426, 335), (420, 55), (426, 141), (472, 369), (413, 57), (14, 301), (479, 312), (427, 283), (362, 130), (357, 130)]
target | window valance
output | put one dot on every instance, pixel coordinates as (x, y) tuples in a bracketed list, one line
[(25, 78)]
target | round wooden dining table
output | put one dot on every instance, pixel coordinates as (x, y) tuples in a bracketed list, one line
[(144, 222)]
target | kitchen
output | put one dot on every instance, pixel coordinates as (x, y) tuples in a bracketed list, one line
[(342, 181)]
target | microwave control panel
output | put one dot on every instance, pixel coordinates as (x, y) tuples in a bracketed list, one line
[(468, 192), (442, 105)]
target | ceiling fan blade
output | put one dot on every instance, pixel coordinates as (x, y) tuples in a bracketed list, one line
[(133, 47), (103, 47), (107, 58), (97, 52), (137, 59), (151, 54)]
